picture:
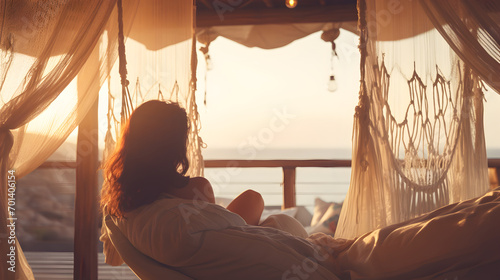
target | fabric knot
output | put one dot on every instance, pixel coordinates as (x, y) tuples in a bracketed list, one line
[(6, 140)]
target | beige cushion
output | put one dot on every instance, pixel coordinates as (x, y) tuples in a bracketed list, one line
[(143, 266), (457, 241), (206, 241), (328, 223), (320, 207)]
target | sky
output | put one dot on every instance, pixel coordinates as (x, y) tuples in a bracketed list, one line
[(278, 98), (248, 88)]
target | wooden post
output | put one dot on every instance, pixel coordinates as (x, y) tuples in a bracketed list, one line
[(86, 194), (85, 247), (288, 187), (498, 175)]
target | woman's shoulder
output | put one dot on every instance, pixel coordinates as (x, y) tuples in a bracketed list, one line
[(197, 188), (201, 189)]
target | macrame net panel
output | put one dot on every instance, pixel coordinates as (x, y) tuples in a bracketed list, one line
[(418, 140), (423, 140), (160, 63)]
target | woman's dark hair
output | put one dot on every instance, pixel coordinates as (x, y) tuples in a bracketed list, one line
[(149, 157)]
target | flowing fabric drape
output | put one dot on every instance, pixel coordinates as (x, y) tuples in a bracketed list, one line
[(472, 29), (418, 140), (43, 47), (268, 36)]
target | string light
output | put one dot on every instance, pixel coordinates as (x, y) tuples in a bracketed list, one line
[(332, 84), (330, 36), (291, 3)]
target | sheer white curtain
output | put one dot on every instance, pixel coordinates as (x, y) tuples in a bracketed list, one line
[(418, 140), (43, 46), (472, 29)]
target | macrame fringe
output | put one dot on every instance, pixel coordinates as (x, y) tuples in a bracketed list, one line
[(409, 200)]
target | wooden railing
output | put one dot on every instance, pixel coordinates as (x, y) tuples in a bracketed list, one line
[(289, 170)]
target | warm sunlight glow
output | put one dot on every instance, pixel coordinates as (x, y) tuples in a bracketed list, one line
[(260, 100), (291, 3)]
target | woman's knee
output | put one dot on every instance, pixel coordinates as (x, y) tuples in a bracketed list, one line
[(254, 196)]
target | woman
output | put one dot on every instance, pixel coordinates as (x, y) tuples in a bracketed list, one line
[(150, 161), (172, 218), (148, 169)]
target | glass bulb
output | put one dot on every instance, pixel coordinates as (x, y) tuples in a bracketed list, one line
[(291, 3), (210, 64), (332, 84)]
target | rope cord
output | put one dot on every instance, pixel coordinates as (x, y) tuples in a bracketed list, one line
[(194, 57), (127, 107)]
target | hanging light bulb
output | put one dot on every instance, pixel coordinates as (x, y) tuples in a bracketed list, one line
[(291, 3), (332, 84), (329, 36), (210, 64)]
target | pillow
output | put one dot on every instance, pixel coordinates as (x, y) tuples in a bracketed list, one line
[(320, 208), (303, 216), (329, 221), (268, 212)]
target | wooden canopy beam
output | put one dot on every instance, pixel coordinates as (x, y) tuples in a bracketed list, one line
[(224, 15), (268, 3), (206, 4)]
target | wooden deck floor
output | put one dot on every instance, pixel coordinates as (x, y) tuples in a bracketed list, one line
[(59, 265)]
